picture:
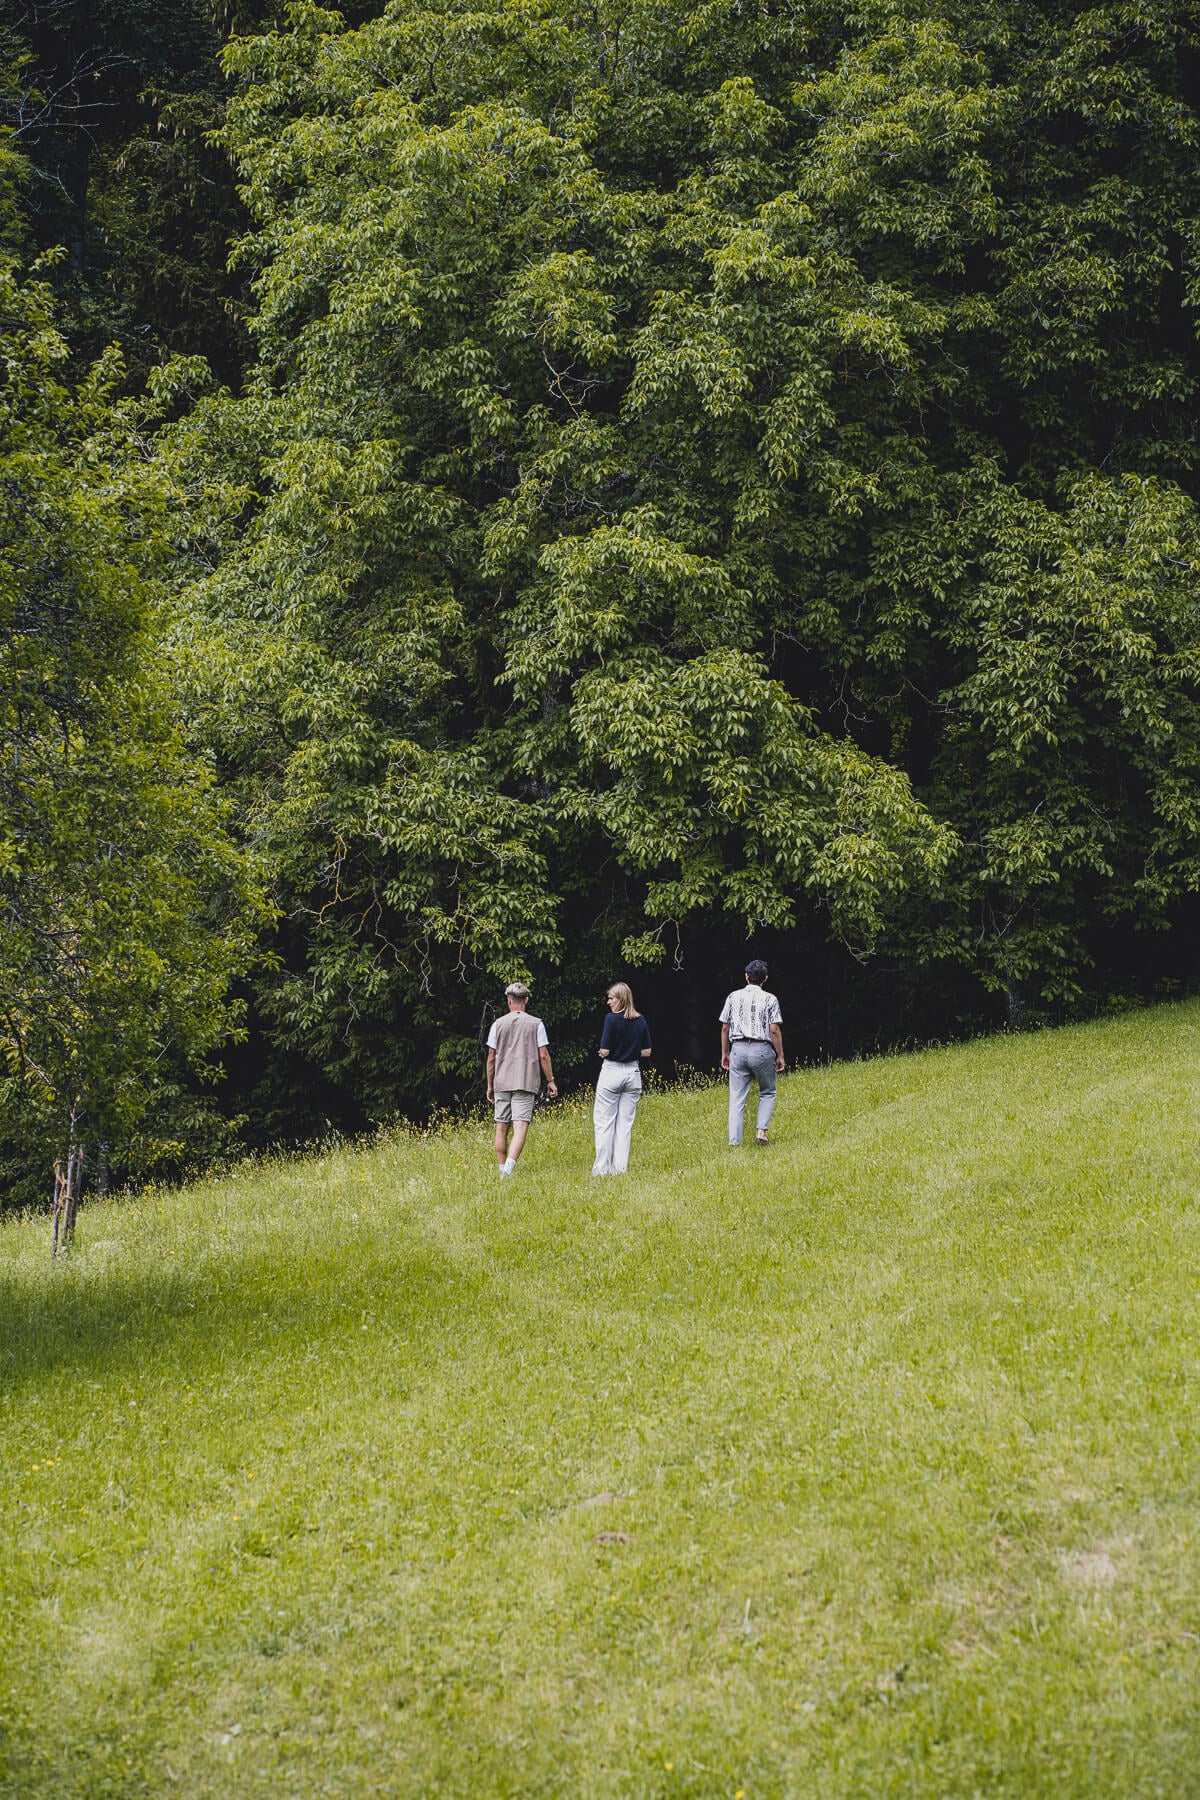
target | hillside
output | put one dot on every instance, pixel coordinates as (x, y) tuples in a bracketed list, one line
[(866, 1465)]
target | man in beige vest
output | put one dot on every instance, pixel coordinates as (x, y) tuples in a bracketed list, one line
[(517, 1058)]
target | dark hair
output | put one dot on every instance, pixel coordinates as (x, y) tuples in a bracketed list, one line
[(756, 972)]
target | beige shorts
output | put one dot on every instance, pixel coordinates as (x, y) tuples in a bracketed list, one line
[(514, 1104)]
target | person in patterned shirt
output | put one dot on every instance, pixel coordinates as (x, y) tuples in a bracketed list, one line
[(518, 1055), (751, 1050)]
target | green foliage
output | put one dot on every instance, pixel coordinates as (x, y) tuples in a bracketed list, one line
[(706, 467), (126, 909), (1074, 750), (113, 103), (541, 356), (14, 167)]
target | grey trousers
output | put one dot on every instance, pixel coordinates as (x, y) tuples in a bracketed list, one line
[(750, 1062)]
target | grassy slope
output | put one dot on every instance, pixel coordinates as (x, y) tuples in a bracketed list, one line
[(899, 1416)]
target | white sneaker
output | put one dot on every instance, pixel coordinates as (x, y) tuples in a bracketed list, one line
[(503, 1173)]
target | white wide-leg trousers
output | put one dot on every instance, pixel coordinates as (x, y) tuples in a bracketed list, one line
[(617, 1093)]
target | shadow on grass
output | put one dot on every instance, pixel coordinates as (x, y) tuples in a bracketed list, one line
[(101, 1321)]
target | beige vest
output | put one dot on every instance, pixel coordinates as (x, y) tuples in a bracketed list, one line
[(517, 1064)]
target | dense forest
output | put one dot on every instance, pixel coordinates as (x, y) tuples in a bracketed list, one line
[(524, 487)]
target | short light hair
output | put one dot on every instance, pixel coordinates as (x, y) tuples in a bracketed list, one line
[(623, 994)]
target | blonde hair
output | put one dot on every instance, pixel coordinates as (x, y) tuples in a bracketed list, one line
[(621, 991)]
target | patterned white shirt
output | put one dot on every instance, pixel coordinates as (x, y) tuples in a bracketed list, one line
[(750, 1013)]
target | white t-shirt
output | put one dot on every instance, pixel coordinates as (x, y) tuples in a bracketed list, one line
[(750, 1013), (543, 1042)]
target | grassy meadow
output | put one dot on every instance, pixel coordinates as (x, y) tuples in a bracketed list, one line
[(865, 1465)]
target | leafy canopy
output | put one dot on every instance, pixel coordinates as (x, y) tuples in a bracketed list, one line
[(704, 461), (125, 908)]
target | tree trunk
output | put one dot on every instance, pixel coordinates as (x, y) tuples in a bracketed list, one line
[(60, 1195), (68, 1186)]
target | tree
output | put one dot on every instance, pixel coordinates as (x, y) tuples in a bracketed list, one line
[(1014, 184), (125, 909), (497, 640), (113, 103), (696, 468)]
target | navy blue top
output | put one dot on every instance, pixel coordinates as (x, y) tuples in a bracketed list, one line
[(625, 1039)]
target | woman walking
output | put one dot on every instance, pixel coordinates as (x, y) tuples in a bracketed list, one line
[(624, 1046)]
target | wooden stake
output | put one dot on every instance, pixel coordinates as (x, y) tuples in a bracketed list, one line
[(74, 1179)]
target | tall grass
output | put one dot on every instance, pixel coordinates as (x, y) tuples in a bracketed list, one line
[(863, 1465)]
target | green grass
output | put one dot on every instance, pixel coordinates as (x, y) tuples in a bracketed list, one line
[(306, 1472)]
